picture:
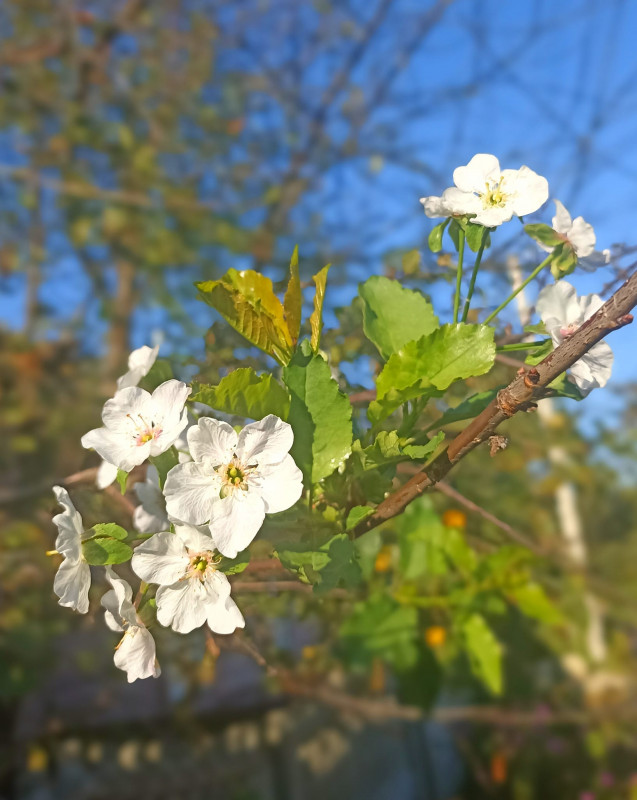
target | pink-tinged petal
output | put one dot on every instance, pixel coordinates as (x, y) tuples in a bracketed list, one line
[(529, 190), (139, 363), (182, 606), (582, 237), (120, 450), (482, 169), (267, 441), (126, 409), (162, 559), (136, 655), (562, 221), (235, 522), (195, 539), (71, 584), (69, 524), (106, 474), (224, 617), (212, 440), (280, 485), (191, 491)]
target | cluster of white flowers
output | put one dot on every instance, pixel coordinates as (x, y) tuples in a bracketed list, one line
[(486, 195), (213, 504)]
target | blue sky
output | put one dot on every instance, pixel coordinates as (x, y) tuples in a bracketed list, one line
[(550, 85)]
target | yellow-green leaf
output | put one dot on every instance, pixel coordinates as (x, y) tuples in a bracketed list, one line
[(293, 300), (316, 319)]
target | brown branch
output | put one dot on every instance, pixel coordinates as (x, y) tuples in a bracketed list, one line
[(519, 395)]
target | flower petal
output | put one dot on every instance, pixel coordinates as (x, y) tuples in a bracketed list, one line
[(136, 654), (139, 363), (267, 441), (280, 485), (106, 474), (150, 516), (482, 169), (195, 539), (582, 237), (71, 584), (224, 617), (191, 491), (162, 559), (530, 190), (183, 606), (116, 448), (557, 305), (118, 602), (127, 405), (562, 221), (212, 440), (235, 521), (594, 369), (69, 524)]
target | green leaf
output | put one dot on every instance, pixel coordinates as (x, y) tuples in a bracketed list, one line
[(122, 479), (563, 387), (293, 300), (435, 236), (433, 363), (356, 515), (163, 463), (248, 303), (393, 315), (320, 415), (105, 550), (467, 409), (538, 327), (419, 685), (473, 236), (109, 529), (421, 537), (540, 353), (327, 563), (233, 566), (245, 393), (544, 234), (316, 318), (564, 261), (532, 600), (485, 652), (381, 627), (159, 373), (390, 448)]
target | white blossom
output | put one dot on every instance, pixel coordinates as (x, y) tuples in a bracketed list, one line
[(138, 425), (192, 590), (73, 578), (488, 194), (580, 235), (234, 481), (135, 653), (140, 362), (150, 516), (106, 474), (563, 312)]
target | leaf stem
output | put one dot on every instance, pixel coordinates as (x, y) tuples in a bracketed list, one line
[(456, 298), (504, 348), (474, 274), (517, 291)]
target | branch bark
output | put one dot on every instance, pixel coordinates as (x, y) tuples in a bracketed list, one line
[(520, 395)]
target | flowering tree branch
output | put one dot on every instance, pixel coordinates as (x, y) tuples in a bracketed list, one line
[(519, 395)]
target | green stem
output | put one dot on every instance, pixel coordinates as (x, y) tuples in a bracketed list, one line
[(456, 299), (525, 283), (474, 274), (504, 348)]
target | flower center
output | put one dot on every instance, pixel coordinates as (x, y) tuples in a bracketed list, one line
[(201, 564), (142, 431), (234, 476), (494, 196)]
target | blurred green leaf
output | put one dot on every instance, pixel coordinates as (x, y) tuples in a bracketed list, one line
[(316, 317), (293, 300), (485, 652)]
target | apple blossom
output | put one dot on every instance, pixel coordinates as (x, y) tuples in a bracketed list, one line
[(140, 362), (488, 194), (73, 578), (106, 474), (580, 235), (192, 590), (150, 516), (138, 425), (234, 481), (563, 312), (135, 653)]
